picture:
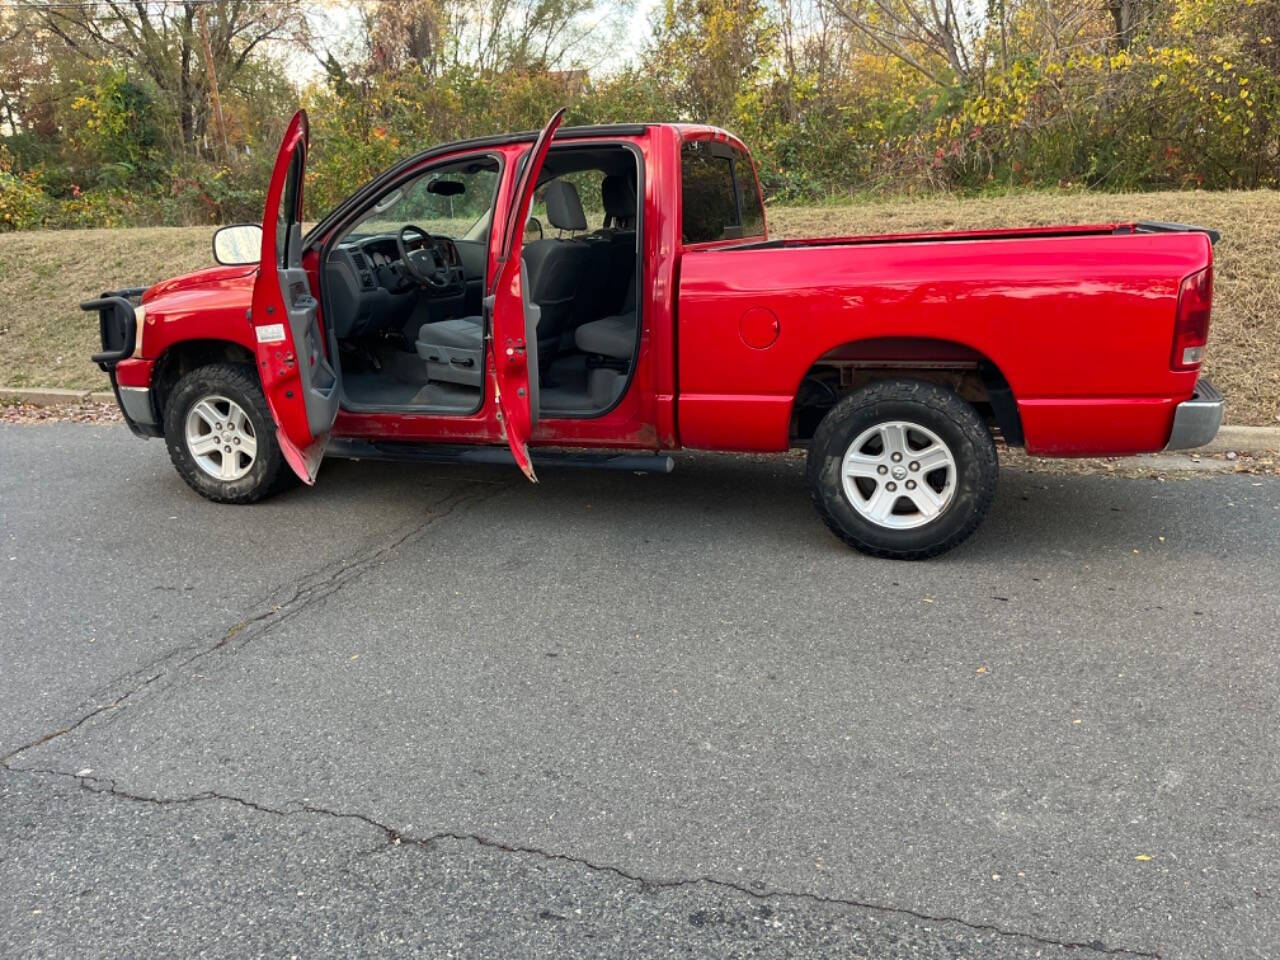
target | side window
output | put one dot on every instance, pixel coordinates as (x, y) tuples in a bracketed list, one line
[(290, 206), (708, 199), (749, 195)]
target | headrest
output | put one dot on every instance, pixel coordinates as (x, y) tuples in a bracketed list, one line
[(564, 207), (619, 195)]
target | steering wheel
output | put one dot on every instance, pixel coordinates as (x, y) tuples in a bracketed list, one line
[(424, 264)]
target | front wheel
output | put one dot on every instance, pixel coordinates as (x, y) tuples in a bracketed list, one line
[(221, 436), (902, 469)]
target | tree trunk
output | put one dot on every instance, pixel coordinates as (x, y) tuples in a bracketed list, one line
[(1124, 17)]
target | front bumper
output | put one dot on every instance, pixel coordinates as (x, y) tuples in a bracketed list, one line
[(117, 325), (135, 404), (1196, 421), (119, 315)]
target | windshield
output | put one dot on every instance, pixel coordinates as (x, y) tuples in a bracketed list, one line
[(454, 201)]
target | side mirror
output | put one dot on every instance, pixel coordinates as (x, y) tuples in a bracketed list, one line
[(240, 243), (533, 229)]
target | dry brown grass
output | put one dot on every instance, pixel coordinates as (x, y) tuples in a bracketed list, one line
[(45, 340)]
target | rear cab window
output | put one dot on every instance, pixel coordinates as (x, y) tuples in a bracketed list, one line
[(720, 199)]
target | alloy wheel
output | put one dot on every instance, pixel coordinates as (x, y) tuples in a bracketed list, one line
[(899, 475), (220, 438)]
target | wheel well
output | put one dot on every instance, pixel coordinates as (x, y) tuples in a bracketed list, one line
[(960, 368), (182, 358)]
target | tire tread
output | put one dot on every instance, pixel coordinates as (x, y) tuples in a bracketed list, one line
[(225, 378), (930, 395)]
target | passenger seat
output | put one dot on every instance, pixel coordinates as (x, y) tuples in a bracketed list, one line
[(555, 267), (618, 193), (612, 337)]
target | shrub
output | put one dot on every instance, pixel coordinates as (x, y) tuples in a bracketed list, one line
[(21, 199)]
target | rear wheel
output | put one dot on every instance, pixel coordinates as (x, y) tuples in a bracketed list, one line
[(903, 469), (221, 436)]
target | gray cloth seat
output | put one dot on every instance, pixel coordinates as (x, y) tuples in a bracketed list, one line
[(609, 336), (618, 194), (612, 253), (553, 269), (453, 350), (555, 266), (615, 336)]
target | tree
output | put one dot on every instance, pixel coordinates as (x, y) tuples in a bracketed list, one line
[(938, 38), (710, 51), (162, 40), (483, 37)]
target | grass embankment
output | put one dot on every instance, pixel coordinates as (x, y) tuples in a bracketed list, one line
[(45, 339)]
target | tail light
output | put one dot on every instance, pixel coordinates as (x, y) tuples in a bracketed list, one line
[(1191, 328)]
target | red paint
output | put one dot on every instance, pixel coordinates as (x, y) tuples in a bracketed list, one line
[(759, 328), (1065, 319), (509, 371), (278, 359), (1080, 321)]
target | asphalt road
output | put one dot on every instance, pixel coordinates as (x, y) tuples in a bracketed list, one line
[(441, 711)]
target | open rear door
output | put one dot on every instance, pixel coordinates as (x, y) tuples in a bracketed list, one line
[(513, 319), (300, 383)]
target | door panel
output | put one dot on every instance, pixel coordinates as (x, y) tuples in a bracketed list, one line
[(300, 383), (319, 377), (512, 319)]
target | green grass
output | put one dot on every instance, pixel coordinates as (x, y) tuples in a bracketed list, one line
[(45, 340)]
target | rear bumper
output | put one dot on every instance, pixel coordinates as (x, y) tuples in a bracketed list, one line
[(1196, 421)]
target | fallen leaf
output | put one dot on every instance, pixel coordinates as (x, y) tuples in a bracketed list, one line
[(982, 669), (1143, 857), (356, 657)]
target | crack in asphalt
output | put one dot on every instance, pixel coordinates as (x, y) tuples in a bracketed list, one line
[(397, 838), (312, 588)]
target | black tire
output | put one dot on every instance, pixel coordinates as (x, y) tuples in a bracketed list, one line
[(268, 472), (952, 421)]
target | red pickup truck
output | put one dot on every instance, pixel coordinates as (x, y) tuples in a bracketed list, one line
[(601, 296)]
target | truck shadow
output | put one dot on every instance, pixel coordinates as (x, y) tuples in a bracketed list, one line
[(760, 503)]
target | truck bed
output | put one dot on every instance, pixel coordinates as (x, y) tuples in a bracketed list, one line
[(1004, 233), (1077, 321)]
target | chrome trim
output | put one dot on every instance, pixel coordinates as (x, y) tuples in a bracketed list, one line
[(135, 403), (1196, 421)]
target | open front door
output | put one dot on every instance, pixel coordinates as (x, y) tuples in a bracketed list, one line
[(300, 383), (513, 319)]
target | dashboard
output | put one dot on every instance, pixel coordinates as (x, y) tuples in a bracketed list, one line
[(377, 260), (369, 291)]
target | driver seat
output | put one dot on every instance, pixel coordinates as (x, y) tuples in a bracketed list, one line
[(452, 350), (553, 268)]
